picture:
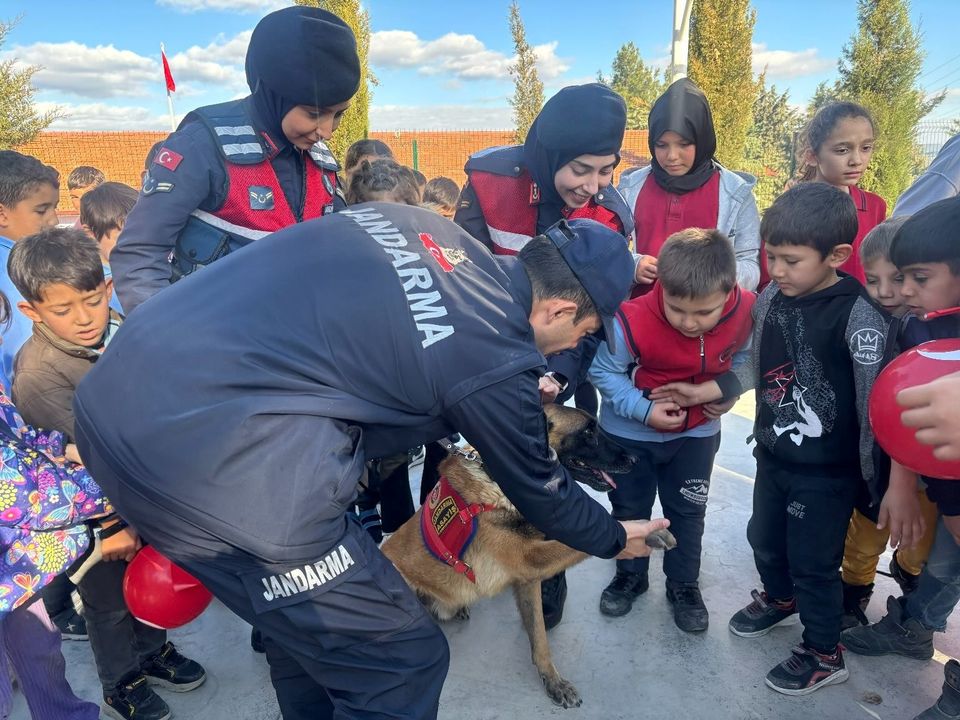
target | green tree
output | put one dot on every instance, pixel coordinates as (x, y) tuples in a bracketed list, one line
[(879, 69), (355, 122), (769, 147), (720, 58), (639, 84), (528, 89), (19, 120)]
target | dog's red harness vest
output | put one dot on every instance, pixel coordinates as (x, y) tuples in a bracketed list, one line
[(509, 206), (448, 524)]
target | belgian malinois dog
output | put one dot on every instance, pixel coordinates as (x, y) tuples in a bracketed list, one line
[(507, 551)]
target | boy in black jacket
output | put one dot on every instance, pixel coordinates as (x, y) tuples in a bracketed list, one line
[(817, 347)]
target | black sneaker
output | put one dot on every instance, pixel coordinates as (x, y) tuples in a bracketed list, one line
[(617, 597), (855, 601), (806, 671), (947, 706), (171, 670), (908, 582), (553, 592), (71, 624), (763, 615), (134, 700), (893, 635), (689, 612)]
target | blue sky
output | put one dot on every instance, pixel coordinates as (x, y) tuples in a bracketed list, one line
[(441, 64)]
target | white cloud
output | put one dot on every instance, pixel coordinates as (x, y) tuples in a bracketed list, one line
[(99, 116), (440, 117), (242, 6), (94, 72), (105, 71), (463, 56), (786, 64)]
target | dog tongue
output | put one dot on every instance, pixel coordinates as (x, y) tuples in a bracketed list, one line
[(608, 479)]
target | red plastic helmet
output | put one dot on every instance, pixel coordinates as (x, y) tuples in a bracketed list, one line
[(918, 366), (161, 594)]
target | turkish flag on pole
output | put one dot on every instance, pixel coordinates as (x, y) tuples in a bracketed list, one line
[(167, 75)]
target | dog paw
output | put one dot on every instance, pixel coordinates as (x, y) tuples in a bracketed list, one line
[(661, 540), (462, 614), (563, 693)]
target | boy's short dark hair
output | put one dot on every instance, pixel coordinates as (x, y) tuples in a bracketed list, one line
[(21, 175), (812, 214), (105, 208), (931, 235), (384, 180), (551, 276), (695, 263), (876, 243), (84, 176), (66, 256), (366, 148), (441, 191)]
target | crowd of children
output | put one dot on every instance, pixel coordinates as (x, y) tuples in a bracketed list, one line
[(841, 292)]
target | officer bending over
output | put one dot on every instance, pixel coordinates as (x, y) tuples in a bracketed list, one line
[(230, 428)]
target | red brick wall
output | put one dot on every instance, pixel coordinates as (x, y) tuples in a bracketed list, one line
[(120, 155)]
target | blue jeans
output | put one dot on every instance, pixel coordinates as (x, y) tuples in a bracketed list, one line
[(939, 590)]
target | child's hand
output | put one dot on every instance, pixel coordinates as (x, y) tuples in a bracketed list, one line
[(666, 416), (900, 512), (714, 410), (687, 394), (71, 453), (122, 546), (646, 270)]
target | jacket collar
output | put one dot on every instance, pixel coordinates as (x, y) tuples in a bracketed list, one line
[(44, 333)]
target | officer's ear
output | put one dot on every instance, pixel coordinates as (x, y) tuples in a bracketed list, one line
[(560, 310)]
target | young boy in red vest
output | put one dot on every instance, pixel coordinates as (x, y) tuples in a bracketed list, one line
[(695, 324)]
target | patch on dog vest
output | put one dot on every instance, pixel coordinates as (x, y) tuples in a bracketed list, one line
[(448, 525)]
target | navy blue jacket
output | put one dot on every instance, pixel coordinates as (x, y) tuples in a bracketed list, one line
[(363, 333), (140, 261)]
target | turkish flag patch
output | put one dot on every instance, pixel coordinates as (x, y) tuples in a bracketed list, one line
[(168, 159)]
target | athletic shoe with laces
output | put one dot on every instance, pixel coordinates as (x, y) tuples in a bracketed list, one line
[(807, 670), (617, 597), (894, 634), (553, 593), (172, 671), (763, 615), (132, 699), (689, 612)]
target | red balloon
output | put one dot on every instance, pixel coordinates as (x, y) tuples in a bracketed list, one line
[(918, 366), (162, 594)]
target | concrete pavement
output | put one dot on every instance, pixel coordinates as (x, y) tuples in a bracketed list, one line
[(638, 666)]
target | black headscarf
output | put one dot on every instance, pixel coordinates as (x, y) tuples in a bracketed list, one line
[(300, 56), (578, 120), (683, 108)]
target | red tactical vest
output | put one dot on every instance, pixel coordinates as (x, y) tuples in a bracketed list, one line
[(670, 356), (509, 206)]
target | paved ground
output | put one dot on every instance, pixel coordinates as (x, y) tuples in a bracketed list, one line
[(639, 666)]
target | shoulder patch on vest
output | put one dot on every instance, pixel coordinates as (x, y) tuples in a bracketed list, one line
[(261, 197)]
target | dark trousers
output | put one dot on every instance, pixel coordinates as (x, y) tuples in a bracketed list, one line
[(679, 470), (389, 485), (120, 643), (797, 532), (57, 596), (434, 454)]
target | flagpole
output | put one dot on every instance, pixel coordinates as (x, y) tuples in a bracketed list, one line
[(173, 122)]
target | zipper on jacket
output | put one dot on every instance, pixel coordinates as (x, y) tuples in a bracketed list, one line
[(703, 357), (303, 189)]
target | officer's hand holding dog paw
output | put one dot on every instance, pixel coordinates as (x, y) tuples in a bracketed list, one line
[(637, 533)]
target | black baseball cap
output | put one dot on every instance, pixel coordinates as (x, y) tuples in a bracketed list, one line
[(602, 262)]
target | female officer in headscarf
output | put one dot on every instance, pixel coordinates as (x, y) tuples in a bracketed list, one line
[(239, 170)]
